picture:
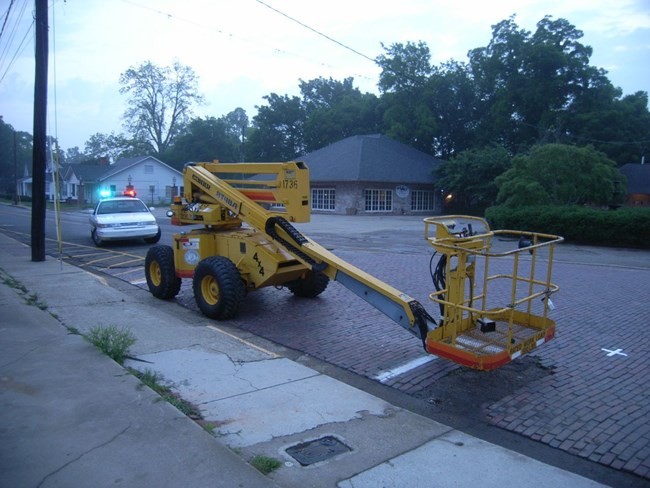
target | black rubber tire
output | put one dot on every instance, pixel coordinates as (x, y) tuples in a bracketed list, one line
[(160, 272), (218, 287), (93, 235), (154, 239), (310, 286)]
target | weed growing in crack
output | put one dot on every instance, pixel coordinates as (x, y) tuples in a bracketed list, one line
[(112, 341), (35, 301), (265, 464), (12, 282), (155, 381)]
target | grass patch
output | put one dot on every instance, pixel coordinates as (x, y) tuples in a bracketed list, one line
[(112, 341), (155, 381), (13, 283), (35, 301), (265, 464)]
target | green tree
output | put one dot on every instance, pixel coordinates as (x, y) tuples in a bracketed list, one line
[(112, 146), (334, 110), (237, 124), (278, 134), (531, 84), (407, 117), (619, 127), (74, 155), (159, 102), (204, 140), (10, 172), (559, 174), (450, 96), (470, 178)]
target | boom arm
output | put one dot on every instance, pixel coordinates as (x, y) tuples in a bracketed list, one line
[(226, 203)]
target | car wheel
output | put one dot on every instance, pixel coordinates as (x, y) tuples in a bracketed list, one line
[(160, 272), (154, 239), (218, 287), (310, 286), (98, 242)]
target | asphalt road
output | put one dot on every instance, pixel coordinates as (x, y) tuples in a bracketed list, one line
[(574, 402)]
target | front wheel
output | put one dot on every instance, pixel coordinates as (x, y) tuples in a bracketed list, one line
[(93, 234), (312, 285), (218, 288), (154, 239), (160, 272)]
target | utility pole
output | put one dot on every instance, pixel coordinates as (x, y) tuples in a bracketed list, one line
[(40, 131)]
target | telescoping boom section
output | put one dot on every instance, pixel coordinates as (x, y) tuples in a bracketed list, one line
[(246, 241)]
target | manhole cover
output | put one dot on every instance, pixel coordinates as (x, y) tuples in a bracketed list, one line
[(317, 450)]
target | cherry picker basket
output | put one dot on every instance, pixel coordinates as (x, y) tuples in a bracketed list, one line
[(489, 319)]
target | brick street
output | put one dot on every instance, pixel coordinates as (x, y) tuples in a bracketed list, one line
[(588, 401)]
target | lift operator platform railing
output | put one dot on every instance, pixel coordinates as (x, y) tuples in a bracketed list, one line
[(489, 319)]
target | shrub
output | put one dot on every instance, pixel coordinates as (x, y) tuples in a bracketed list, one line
[(625, 227)]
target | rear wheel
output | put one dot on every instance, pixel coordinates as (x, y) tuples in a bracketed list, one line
[(312, 285), (218, 288), (160, 272)]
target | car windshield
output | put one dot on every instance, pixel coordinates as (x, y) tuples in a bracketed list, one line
[(121, 206)]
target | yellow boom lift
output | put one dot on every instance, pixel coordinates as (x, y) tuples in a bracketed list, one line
[(247, 241)]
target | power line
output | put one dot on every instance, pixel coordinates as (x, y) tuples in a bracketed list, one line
[(316, 32), (5, 56), (11, 4), (232, 36)]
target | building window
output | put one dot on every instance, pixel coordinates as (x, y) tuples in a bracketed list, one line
[(323, 198), (423, 201), (379, 200), (148, 169)]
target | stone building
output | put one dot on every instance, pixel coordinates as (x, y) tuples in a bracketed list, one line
[(372, 174)]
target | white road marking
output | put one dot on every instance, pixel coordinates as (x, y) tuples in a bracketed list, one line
[(617, 352), (404, 368)]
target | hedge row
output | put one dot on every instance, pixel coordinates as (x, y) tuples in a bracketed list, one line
[(624, 227)]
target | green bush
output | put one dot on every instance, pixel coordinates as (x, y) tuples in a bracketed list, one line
[(624, 227)]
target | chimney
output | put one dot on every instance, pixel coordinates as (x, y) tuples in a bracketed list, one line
[(103, 161)]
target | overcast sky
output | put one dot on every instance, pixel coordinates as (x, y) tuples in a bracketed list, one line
[(242, 49)]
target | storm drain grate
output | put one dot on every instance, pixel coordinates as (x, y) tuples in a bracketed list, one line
[(317, 450)]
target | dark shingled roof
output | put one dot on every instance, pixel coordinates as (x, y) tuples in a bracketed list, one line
[(370, 158), (88, 173), (638, 177)]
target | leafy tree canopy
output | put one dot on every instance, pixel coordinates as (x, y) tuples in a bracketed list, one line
[(559, 174), (159, 102), (470, 178)]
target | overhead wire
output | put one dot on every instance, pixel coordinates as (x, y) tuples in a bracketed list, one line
[(8, 37), (316, 31), (54, 155), (235, 37)]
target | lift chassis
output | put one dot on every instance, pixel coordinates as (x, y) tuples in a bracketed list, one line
[(246, 241)]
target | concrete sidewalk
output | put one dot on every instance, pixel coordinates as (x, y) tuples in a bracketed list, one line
[(72, 417)]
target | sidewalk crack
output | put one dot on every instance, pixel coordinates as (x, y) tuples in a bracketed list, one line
[(61, 468)]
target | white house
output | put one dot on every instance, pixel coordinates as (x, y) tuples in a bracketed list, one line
[(152, 180)]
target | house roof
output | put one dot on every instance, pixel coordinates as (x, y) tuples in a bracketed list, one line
[(638, 177), (88, 173), (126, 163), (370, 158), (94, 173)]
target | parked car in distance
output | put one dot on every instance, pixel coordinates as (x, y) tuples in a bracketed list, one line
[(122, 218)]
